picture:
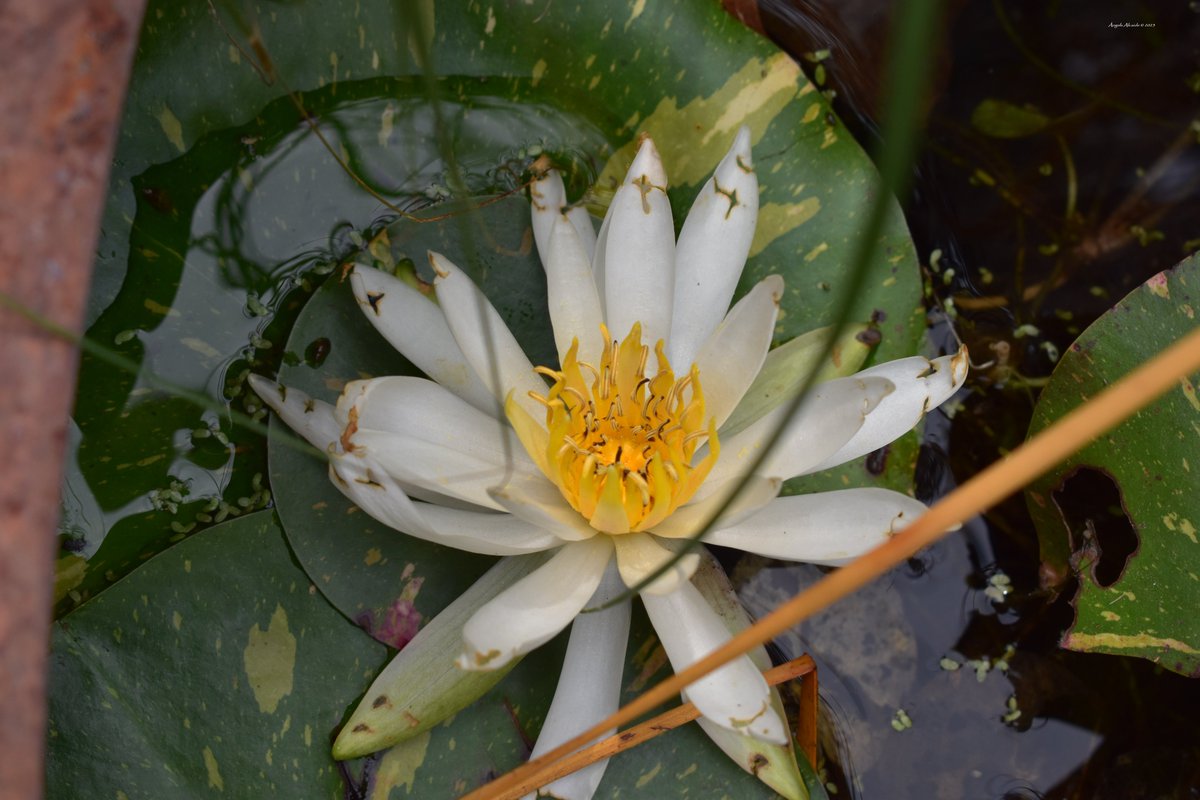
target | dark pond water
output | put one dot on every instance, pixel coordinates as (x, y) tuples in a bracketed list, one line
[(1046, 231)]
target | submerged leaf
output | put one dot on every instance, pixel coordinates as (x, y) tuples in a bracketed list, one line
[(1004, 120)]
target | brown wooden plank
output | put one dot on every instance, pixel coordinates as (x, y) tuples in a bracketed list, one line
[(65, 64)]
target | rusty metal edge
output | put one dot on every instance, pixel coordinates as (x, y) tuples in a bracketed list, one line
[(66, 65)]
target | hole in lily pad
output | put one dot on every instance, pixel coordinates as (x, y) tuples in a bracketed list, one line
[(1102, 535)]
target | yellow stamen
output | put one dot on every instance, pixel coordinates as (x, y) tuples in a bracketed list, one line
[(620, 445)]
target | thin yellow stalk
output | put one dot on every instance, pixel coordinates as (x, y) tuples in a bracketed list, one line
[(1072, 432)]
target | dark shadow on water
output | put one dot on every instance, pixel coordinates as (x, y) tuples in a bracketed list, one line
[(1027, 239)]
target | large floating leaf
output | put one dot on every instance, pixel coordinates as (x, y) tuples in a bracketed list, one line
[(213, 668), (1137, 562), (222, 198), (816, 183)]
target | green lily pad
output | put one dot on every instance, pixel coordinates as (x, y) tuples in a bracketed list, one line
[(810, 206), (1136, 560), (222, 199), (212, 668)]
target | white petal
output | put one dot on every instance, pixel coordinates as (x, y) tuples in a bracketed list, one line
[(639, 252), (369, 487), (540, 503), (486, 342), (589, 686), (421, 434), (533, 610), (582, 221), (315, 420), (571, 294), (322, 425), (640, 554), (712, 250), (830, 528), (736, 696), (466, 474), (826, 420), (548, 202), (547, 199), (686, 521), (735, 351), (599, 253), (921, 386), (416, 326)]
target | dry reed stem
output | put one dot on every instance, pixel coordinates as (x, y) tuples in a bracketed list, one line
[(1072, 432), (653, 728)]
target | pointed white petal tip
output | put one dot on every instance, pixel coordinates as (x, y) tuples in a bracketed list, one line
[(766, 727), (774, 284), (442, 266), (959, 364), (313, 419), (739, 152), (267, 389), (547, 194), (364, 278), (647, 163), (367, 286), (737, 166)]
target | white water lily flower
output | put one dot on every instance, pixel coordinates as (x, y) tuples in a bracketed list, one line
[(613, 457)]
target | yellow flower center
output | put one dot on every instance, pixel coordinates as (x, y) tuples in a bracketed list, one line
[(620, 441)]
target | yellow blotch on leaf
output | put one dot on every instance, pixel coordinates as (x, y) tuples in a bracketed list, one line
[(399, 765), (695, 136), (776, 219), (214, 771), (646, 777), (638, 8), (1158, 286), (1115, 641), (270, 661), (68, 573), (1189, 391), (172, 127)]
